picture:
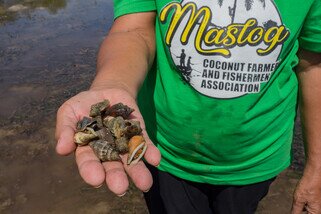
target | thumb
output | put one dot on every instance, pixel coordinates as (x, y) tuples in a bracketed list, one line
[(65, 130)]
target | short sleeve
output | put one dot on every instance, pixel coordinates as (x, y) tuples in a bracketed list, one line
[(310, 37), (122, 7)]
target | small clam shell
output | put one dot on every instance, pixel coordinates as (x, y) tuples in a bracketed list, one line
[(104, 150), (137, 147), (84, 137)]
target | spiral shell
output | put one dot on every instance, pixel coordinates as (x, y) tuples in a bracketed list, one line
[(105, 150), (84, 137)]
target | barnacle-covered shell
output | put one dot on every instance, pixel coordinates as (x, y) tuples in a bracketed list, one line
[(137, 147), (99, 108), (119, 109), (83, 138), (104, 150)]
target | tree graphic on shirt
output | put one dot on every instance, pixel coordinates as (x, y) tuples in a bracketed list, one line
[(247, 3)]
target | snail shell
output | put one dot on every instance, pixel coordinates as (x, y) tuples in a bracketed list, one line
[(98, 108), (104, 150), (137, 147), (132, 128), (116, 125), (86, 122), (84, 137), (119, 109), (105, 134), (122, 145)]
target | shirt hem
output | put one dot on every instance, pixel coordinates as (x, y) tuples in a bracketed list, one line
[(236, 181)]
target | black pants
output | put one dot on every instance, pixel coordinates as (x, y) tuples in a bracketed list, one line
[(172, 195)]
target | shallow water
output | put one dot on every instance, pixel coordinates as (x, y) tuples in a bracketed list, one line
[(47, 54)]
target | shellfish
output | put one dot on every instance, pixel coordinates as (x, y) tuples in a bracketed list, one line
[(116, 125), (119, 109), (109, 132), (98, 108), (122, 145), (84, 137), (86, 122), (104, 150), (137, 147)]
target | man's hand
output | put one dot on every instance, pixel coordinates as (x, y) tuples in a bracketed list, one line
[(308, 192), (90, 168)]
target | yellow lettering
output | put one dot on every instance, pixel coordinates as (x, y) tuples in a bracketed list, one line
[(256, 32), (273, 37), (249, 23), (230, 40), (213, 36), (228, 37)]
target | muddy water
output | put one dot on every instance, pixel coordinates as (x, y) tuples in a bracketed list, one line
[(47, 54)]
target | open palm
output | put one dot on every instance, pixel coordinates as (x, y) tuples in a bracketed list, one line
[(90, 168)]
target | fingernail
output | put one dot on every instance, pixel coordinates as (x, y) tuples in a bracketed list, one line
[(122, 194), (146, 191), (96, 187)]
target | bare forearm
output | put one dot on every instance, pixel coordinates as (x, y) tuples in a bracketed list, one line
[(126, 54), (309, 75)]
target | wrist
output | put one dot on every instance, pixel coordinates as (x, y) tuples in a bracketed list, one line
[(112, 84), (313, 165)]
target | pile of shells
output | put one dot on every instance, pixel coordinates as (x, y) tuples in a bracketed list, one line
[(109, 132)]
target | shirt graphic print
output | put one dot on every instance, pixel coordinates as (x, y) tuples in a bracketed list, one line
[(224, 48)]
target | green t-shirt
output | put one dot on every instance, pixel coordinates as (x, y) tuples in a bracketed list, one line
[(220, 102)]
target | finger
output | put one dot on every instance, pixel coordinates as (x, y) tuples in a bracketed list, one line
[(65, 130), (139, 174), (116, 178), (89, 166), (297, 206), (314, 206), (65, 144), (152, 154)]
